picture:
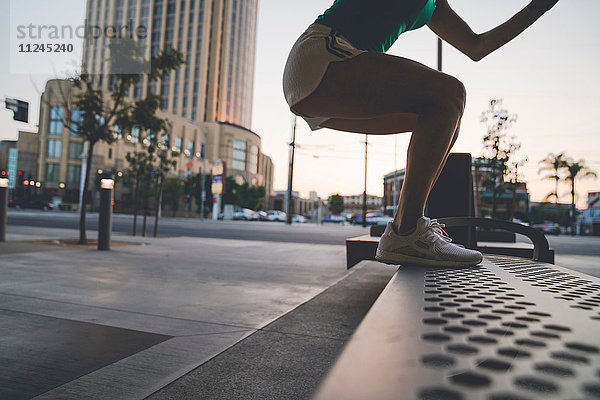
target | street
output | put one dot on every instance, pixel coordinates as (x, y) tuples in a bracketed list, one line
[(587, 246), (193, 227)]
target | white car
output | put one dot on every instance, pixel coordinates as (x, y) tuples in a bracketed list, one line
[(298, 218), (245, 214), (275, 215)]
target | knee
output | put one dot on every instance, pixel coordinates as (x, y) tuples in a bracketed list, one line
[(452, 96)]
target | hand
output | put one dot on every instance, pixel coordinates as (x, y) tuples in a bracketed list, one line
[(543, 5)]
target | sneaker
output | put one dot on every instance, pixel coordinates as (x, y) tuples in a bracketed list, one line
[(427, 245)]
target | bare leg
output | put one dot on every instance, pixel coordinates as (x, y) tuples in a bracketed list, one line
[(398, 95)]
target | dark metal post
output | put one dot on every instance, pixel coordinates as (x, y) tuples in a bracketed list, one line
[(3, 207), (288, 204), (203, 180), (364, 222), (439, 54), (105, 215)]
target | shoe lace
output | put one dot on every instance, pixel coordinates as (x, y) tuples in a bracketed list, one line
[(436, 228)]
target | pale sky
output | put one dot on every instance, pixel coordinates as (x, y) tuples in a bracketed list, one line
[(548, 76)]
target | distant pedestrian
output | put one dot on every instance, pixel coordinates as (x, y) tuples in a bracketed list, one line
[(338, 76)]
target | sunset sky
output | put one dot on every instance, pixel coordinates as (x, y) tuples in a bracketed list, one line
[(548, 76)]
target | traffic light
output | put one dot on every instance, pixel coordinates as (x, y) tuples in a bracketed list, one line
[(186, 186), (20, 178)]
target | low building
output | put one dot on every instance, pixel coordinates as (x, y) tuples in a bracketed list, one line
[(518, 201), (591, 216), (20, 159), (299, 205), (354, 203)]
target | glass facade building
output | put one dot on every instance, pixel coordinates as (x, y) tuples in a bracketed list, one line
[(217, 38)]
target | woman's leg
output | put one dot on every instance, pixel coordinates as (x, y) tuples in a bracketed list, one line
[(378, 93)]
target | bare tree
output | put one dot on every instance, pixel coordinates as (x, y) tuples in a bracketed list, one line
[(497, 146)]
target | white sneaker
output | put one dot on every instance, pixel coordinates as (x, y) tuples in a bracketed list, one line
[(427, 245)]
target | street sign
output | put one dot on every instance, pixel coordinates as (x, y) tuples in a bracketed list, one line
[(593, 199), (189, 165), (13, 155), (19, 108), (218, 170)]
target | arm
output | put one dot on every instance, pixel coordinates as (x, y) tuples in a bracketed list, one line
[(452, 29)]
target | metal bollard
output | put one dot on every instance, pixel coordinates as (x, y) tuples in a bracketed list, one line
[(105, 214), (3, 207)]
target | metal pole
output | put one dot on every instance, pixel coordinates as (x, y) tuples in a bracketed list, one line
[(395, 171), (288, 203), (203, 195), (3, 207), (105, 215), (439, 54), (364, 222)]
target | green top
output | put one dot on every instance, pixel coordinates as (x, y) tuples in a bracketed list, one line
[(374, 25)]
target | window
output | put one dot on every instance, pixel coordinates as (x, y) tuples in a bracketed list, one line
[(76, 116), (190, 147), (239, 155), (54, 147), (110, 154), (253, 159), (56, 120), (179, 144), (75, 150), (52, 172), (73, 173)]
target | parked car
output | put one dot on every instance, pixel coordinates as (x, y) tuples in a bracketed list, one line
[(548, 227), (334, 218), (37, 204), (298, 218), (244, 214), (373, 218), (276, 215), (262, 215)]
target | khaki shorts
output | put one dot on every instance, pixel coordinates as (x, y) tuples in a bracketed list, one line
[(307, 63)]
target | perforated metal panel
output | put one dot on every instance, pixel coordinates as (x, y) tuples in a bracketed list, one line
[(506, 330)]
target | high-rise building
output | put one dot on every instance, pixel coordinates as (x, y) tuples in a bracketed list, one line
[(217, 37), (208, 100)]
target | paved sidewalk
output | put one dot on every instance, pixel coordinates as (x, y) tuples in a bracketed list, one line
[(122, 324)]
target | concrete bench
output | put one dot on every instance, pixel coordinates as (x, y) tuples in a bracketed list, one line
[(510, 328)]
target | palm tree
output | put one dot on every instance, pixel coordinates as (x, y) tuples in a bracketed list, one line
[(553, 164), (577, 169)]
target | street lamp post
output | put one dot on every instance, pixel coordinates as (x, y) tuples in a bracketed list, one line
[(105, 216), (3, 207)]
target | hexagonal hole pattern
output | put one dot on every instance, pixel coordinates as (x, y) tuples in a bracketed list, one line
[(462, 349), (470, 379), (584, 347), (439, 393), (554, 369), (493, 364), (480, 339), (437, 361), (591, 389), (535, 384), (436, 337), (574, 358), (513, 352), (530, 343), (456, 329), (435, 321)]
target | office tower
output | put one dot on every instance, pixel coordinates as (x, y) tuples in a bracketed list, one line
[(217, 38)]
